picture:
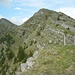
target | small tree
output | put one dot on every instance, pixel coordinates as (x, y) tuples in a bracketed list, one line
[(10, 55), (58, 18), (21, 54), (30, 54), (2, 60), (15, 60), (38, 33)]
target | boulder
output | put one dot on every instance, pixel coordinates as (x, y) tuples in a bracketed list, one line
[(17, 73), (50, 41), (24, 66), (30, 59), (30, 62), (35, 54)]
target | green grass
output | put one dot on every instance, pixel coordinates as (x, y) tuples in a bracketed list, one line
[(55, 60)]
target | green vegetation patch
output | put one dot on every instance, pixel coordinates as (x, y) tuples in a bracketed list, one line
[(56, 60)]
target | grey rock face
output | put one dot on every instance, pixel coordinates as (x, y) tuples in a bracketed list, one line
[(50, 41), (30, 59), (35, 54), (29, 63), (23, 66), (39, 46), (17, 73)]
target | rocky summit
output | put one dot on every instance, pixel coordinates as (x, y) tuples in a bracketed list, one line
[(43, 45)]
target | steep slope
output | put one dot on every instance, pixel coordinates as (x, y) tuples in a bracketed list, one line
[(43, 29), (52, 28), (9, 45), (47, 27), (7, 31), (5, 26)]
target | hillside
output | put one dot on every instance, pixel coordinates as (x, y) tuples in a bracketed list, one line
[(5, 26), (47, 26), (55, 60), (46, 31)]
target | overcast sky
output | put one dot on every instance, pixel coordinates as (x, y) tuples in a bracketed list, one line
[(18, 11)]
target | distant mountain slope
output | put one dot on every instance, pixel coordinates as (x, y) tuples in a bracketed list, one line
[(5, 26), (9, 46), (9, 31)]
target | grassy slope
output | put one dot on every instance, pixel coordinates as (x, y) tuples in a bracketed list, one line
[(55, 60)]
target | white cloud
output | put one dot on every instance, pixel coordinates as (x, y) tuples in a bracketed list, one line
[(25, 19), (62, 1), (6, 2), (42, 3), (68, 10), (18, 8), (18, 20), (31, 3), (15, 20)]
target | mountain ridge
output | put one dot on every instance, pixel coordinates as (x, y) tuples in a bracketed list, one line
[(43, 29)]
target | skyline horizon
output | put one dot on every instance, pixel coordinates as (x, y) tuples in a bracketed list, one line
[(18, 11)]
